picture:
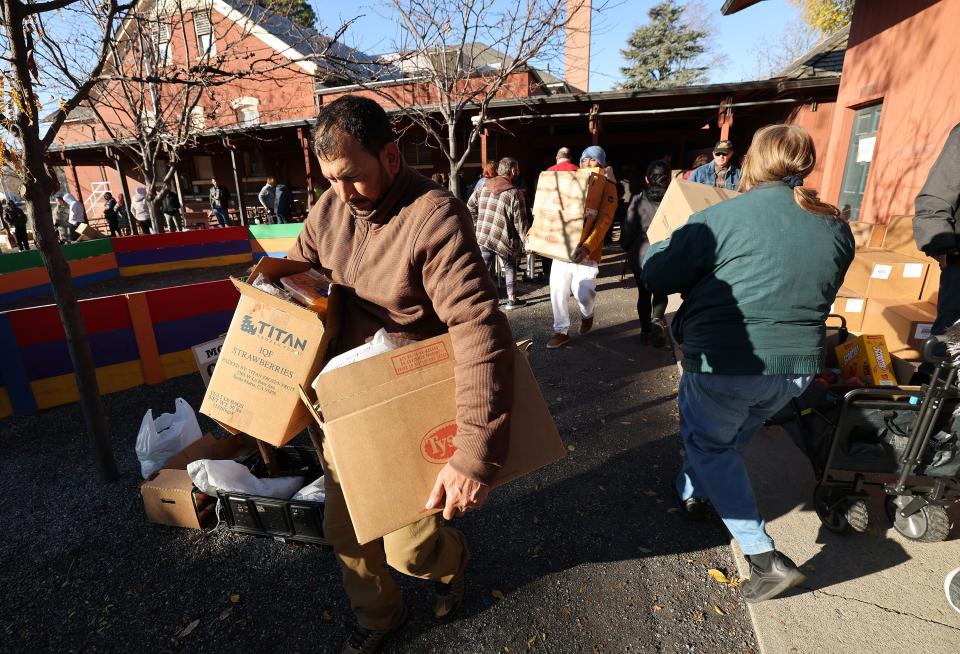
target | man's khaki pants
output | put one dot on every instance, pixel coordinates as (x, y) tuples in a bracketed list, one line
[(426, 549)]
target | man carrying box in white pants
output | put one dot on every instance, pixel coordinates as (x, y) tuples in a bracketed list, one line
[(579, 277)]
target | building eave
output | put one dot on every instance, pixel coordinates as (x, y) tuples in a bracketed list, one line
[(733, 6)]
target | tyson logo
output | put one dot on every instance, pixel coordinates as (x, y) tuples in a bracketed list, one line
[(437, 446)]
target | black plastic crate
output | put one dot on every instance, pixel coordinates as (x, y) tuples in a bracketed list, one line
[(294, 520)]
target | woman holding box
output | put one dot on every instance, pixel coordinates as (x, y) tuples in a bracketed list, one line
[(758, 274)]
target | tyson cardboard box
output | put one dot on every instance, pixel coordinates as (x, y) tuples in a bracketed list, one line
[(884, 274), (683, 199), (272, 346), (905, 326), (849, 305), (169, 497), (565, 207), (390, 422)]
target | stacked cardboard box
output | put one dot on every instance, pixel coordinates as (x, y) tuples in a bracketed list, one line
[(895, 289)]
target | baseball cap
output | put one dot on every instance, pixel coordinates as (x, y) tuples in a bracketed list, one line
[(723, 146)]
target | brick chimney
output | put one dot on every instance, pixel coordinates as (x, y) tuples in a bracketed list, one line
[(576, 65)]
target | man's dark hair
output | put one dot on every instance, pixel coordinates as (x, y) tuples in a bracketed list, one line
[(351, 115)]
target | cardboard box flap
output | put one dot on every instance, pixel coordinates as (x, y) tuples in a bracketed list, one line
[(366, 383), (273, 269), (209, 447)]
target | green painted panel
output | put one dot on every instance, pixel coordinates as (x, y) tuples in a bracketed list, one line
[(20, 261), (87, 249), (275, 231)]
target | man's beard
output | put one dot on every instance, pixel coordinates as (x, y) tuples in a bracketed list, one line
[(364, 204)]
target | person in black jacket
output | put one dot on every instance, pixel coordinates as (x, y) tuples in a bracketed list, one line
[(171, 209), (935, 231), (633, 239), (283, 203), (110, 213), (14, 216)]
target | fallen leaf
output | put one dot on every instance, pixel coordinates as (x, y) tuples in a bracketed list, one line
[(572, 448), (657, 607), (581, 590), (565, 612), (673, 509), (536, 520), (718, 610), (645, 550), (189, 629), (498, 594), (650, 493), (718, 576), (698, 616), (530, 641), (326, 617), (543, 636), (225, 613), (235, 598)]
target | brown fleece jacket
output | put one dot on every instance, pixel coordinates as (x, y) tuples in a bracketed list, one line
[(412, 266)]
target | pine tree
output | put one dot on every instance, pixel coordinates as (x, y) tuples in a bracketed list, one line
[(299, 11), (662, 53)]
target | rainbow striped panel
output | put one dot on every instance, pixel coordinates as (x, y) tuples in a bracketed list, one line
[(206, 262)]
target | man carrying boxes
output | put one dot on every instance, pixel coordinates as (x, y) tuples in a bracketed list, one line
[(405, 255)]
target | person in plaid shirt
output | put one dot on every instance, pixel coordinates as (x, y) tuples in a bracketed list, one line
[(500, 214)]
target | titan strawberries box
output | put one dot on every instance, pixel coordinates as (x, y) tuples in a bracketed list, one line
[(390, 422), (272, 346)]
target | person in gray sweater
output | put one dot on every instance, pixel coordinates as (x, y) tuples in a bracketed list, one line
[(935, 231)]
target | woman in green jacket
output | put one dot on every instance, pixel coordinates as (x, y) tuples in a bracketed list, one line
[(758, 274)]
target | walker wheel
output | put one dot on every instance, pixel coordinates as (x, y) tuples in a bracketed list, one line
[(831, 506), (930, 524)]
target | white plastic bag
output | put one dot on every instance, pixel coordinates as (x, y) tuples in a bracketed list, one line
[(211, 475), (380, 343), (312, 492), (164, 437)]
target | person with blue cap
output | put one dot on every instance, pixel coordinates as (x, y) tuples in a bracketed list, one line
[(579, 276)]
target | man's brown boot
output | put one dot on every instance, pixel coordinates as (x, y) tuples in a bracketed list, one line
[(449, 597), (586, 324), (558, 341), (369, 641)]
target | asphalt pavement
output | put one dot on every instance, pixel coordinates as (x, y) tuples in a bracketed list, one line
[(587, 555)]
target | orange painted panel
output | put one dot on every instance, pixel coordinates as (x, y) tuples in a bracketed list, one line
[(21, 279), (146, 339)]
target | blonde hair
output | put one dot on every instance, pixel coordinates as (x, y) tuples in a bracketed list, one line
[(779, 152)]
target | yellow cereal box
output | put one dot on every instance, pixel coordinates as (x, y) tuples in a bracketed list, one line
[(868, 358)]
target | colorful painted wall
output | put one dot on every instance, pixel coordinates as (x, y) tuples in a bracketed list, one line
[(136, 338), (22, 274)]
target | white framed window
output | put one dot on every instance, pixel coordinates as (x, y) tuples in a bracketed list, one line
[(247, 110), (198, 120), (160, 34), (206, 41)]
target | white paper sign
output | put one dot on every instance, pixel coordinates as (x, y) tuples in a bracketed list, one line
[(882, 271), (854, 305), (865, 149), (922, 332), (912, 270), (206, 355)]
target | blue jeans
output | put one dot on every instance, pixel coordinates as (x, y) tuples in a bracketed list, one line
[(719, 416), (221, 215)]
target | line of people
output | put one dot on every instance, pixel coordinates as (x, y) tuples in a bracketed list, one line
[(413, 261)]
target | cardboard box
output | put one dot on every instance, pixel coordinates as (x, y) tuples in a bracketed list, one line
[(206, 355), (931, 284), (898, 237), (390, 422), (849, 305), (271, 348), (863, 234), (88, 232), (868, 358), (565, 208), (169, 497), (904, 326), (885, 274), (683, 199)]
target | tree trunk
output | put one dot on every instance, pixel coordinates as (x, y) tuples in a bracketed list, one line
[(454, 183), (38, 205)]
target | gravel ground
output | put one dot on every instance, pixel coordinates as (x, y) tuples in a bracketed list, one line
[(584, 556), (119, 285)]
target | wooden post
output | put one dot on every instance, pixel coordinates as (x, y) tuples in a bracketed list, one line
[(236, 181), (483, 148), (308, 166), (725, 117), (124, 189), (76, 182)]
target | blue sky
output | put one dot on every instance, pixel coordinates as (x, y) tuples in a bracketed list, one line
[(736, 37)]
